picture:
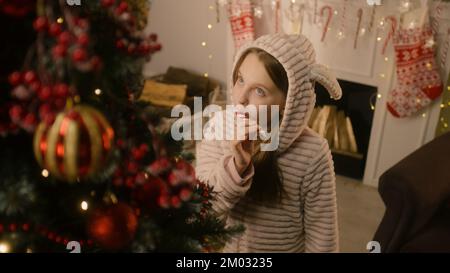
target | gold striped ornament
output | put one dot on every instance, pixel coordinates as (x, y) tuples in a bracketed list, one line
[(76, 145)]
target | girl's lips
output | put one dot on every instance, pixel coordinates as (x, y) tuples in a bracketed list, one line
[(241, 114)]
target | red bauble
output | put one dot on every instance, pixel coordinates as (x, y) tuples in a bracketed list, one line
[(64, 38), (132, 167), (107, 3), (185, 194), (153, 37), (16, 113), (82, 23), (55, 29), (175, 202), (35, 86), (79, 55), (131, 48), (123, 6), (182, 173), (44, 110), (144, 48), (40, 24), (45, 93), (29, 122), (113, 227), (62, 90), (147, 194), (15, 78), (83, 39), (160, 166), (17, 8), (30, 77), (59, 51), (156, 47), (120, 44)]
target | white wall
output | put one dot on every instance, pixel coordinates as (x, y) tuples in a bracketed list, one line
[(182, 26)]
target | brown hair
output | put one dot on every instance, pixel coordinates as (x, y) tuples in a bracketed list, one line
[(267, 181)]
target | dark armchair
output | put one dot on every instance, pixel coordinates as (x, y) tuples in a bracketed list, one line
[(416, 193)]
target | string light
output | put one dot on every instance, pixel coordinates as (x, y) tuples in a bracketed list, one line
[(386, 59), (258, 12), (203, 43), (362, 31), (209, 26), (424, 115), (84, 205), (205, 75), (98, 92), (60, 20), (379, 96), (382, 75), (45, 173), (378, 39), (4, 247)]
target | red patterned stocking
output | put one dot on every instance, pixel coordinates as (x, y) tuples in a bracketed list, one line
[(418, 79), (242, 22)]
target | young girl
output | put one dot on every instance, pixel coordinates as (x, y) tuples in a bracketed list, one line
[(285, 199)]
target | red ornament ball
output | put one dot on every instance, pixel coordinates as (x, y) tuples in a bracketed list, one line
[(107, 3), (55, 29), (147, 195), (59, 51), (113, 227), (64, 38), (40, 24), (79, 55), (15, 78)]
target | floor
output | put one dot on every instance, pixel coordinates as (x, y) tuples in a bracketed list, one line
[(360, 210)]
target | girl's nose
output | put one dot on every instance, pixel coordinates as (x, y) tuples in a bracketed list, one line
[(243, 97)]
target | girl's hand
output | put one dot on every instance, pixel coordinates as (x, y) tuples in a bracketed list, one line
[(242, 149)]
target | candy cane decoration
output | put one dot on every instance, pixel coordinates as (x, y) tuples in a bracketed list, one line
[(343, 18), (435, 23), (360, 15), (315, 11), (330, 15), (391, 32), (277, 15), (445, 50), (372, 18)]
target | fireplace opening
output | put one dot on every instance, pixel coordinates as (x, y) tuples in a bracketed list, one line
[(346, 124)]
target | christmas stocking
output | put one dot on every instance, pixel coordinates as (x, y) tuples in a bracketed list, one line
[(242, 23), (418, 80)]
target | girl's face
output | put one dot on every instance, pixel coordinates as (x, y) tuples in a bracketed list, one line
[(255, 87)]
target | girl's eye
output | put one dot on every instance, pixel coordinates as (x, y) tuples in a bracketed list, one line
[(240, 80), (260, 92)]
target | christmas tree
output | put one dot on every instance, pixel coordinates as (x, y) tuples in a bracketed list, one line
[(81, 157)]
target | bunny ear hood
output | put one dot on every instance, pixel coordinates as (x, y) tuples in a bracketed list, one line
[(296, 54)]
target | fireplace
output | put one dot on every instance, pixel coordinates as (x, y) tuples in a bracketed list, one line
[(346, 124)]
